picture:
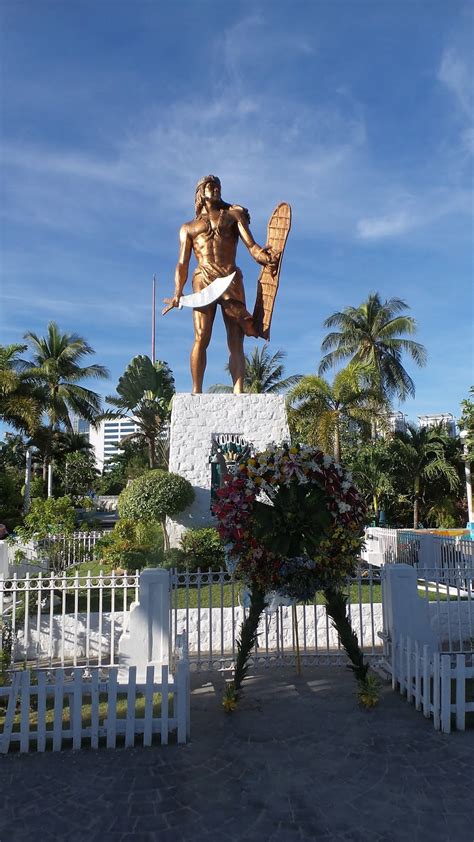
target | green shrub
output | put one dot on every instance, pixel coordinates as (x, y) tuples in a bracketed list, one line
[(174, 558), (37, 488), (49, 517), (202, 548), (154, 496), (131, 545), (11, 500)]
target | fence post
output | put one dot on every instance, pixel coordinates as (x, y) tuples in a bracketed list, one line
[(446, 693), (146, 639), (401, 666), (426, 682), (10, 714), (436, 691), (408, 662), (460, 692), (182, 670), (395, 644)]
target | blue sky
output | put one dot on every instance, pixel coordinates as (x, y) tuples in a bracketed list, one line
[(357, 113)]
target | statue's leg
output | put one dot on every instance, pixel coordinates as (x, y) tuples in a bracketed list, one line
[(203, 319), (235, 341)]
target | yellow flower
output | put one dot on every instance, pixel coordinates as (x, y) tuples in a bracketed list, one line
[(229, 705), (369, 692), (229, 699)]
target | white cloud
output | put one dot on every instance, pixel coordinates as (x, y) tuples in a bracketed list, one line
[(385, 226), (414, 212), (30, 301), (264, 145), (456, 74)]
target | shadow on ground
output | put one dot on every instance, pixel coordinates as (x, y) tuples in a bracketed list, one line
[(298, 761)]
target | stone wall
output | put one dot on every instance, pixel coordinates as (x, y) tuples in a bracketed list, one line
[(70, 637), (260, 419), (225, 625)]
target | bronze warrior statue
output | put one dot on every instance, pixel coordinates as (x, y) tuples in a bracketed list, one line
[(213, 237)]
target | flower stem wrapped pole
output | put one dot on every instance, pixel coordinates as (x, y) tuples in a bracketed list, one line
[(336, 607), (245, 643)]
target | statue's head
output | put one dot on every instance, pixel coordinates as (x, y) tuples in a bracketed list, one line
[(200, 191)]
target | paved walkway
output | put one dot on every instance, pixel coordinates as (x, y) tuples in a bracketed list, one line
[(298, 761)]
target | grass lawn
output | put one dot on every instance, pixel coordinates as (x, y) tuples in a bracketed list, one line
[(207, 595), (87, 709)]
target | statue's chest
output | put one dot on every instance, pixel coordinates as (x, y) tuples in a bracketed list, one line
[(220, 227)]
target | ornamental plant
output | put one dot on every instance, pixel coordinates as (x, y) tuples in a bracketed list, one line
[(155, 495), (202, 548), (291, 521)]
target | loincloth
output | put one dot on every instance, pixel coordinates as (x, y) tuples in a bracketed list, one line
[(232, 300)]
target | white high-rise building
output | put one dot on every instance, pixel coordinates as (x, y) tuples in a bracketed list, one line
[(392, 422), (444, 419), (106, 436), (80, 425)]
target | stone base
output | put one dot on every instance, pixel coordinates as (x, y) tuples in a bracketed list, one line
[(260, 419)]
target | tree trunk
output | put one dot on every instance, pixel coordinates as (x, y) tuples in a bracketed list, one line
[(373, 429), (166, 540), (375, 503), (337, 441), (151, 453), (416, 503)]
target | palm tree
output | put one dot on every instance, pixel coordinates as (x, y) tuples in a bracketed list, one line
[(145, 390), (20, 404), (370, 470), (422, 458), (56, 368), (316, 409), (263, 373), (371, 337)]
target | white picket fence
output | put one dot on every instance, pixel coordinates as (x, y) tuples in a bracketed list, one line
[(432, 679), (56, 552), (45, 707)]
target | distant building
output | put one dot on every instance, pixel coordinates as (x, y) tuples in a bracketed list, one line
[(106, 436), (445, 419), (80, 425), (393, 422)]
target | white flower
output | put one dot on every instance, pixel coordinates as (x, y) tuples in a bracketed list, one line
[(327, 460), (343, 507)]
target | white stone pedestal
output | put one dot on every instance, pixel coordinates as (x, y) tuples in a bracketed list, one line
[(260, 419), (146, 640)]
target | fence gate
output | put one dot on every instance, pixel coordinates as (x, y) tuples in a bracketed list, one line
[(210, 606)]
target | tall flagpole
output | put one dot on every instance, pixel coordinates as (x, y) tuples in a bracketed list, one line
[(153, 314)]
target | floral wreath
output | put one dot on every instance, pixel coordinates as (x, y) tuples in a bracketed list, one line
[(261, 479)]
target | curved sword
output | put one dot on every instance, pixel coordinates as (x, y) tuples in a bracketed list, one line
[(206, 296)]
